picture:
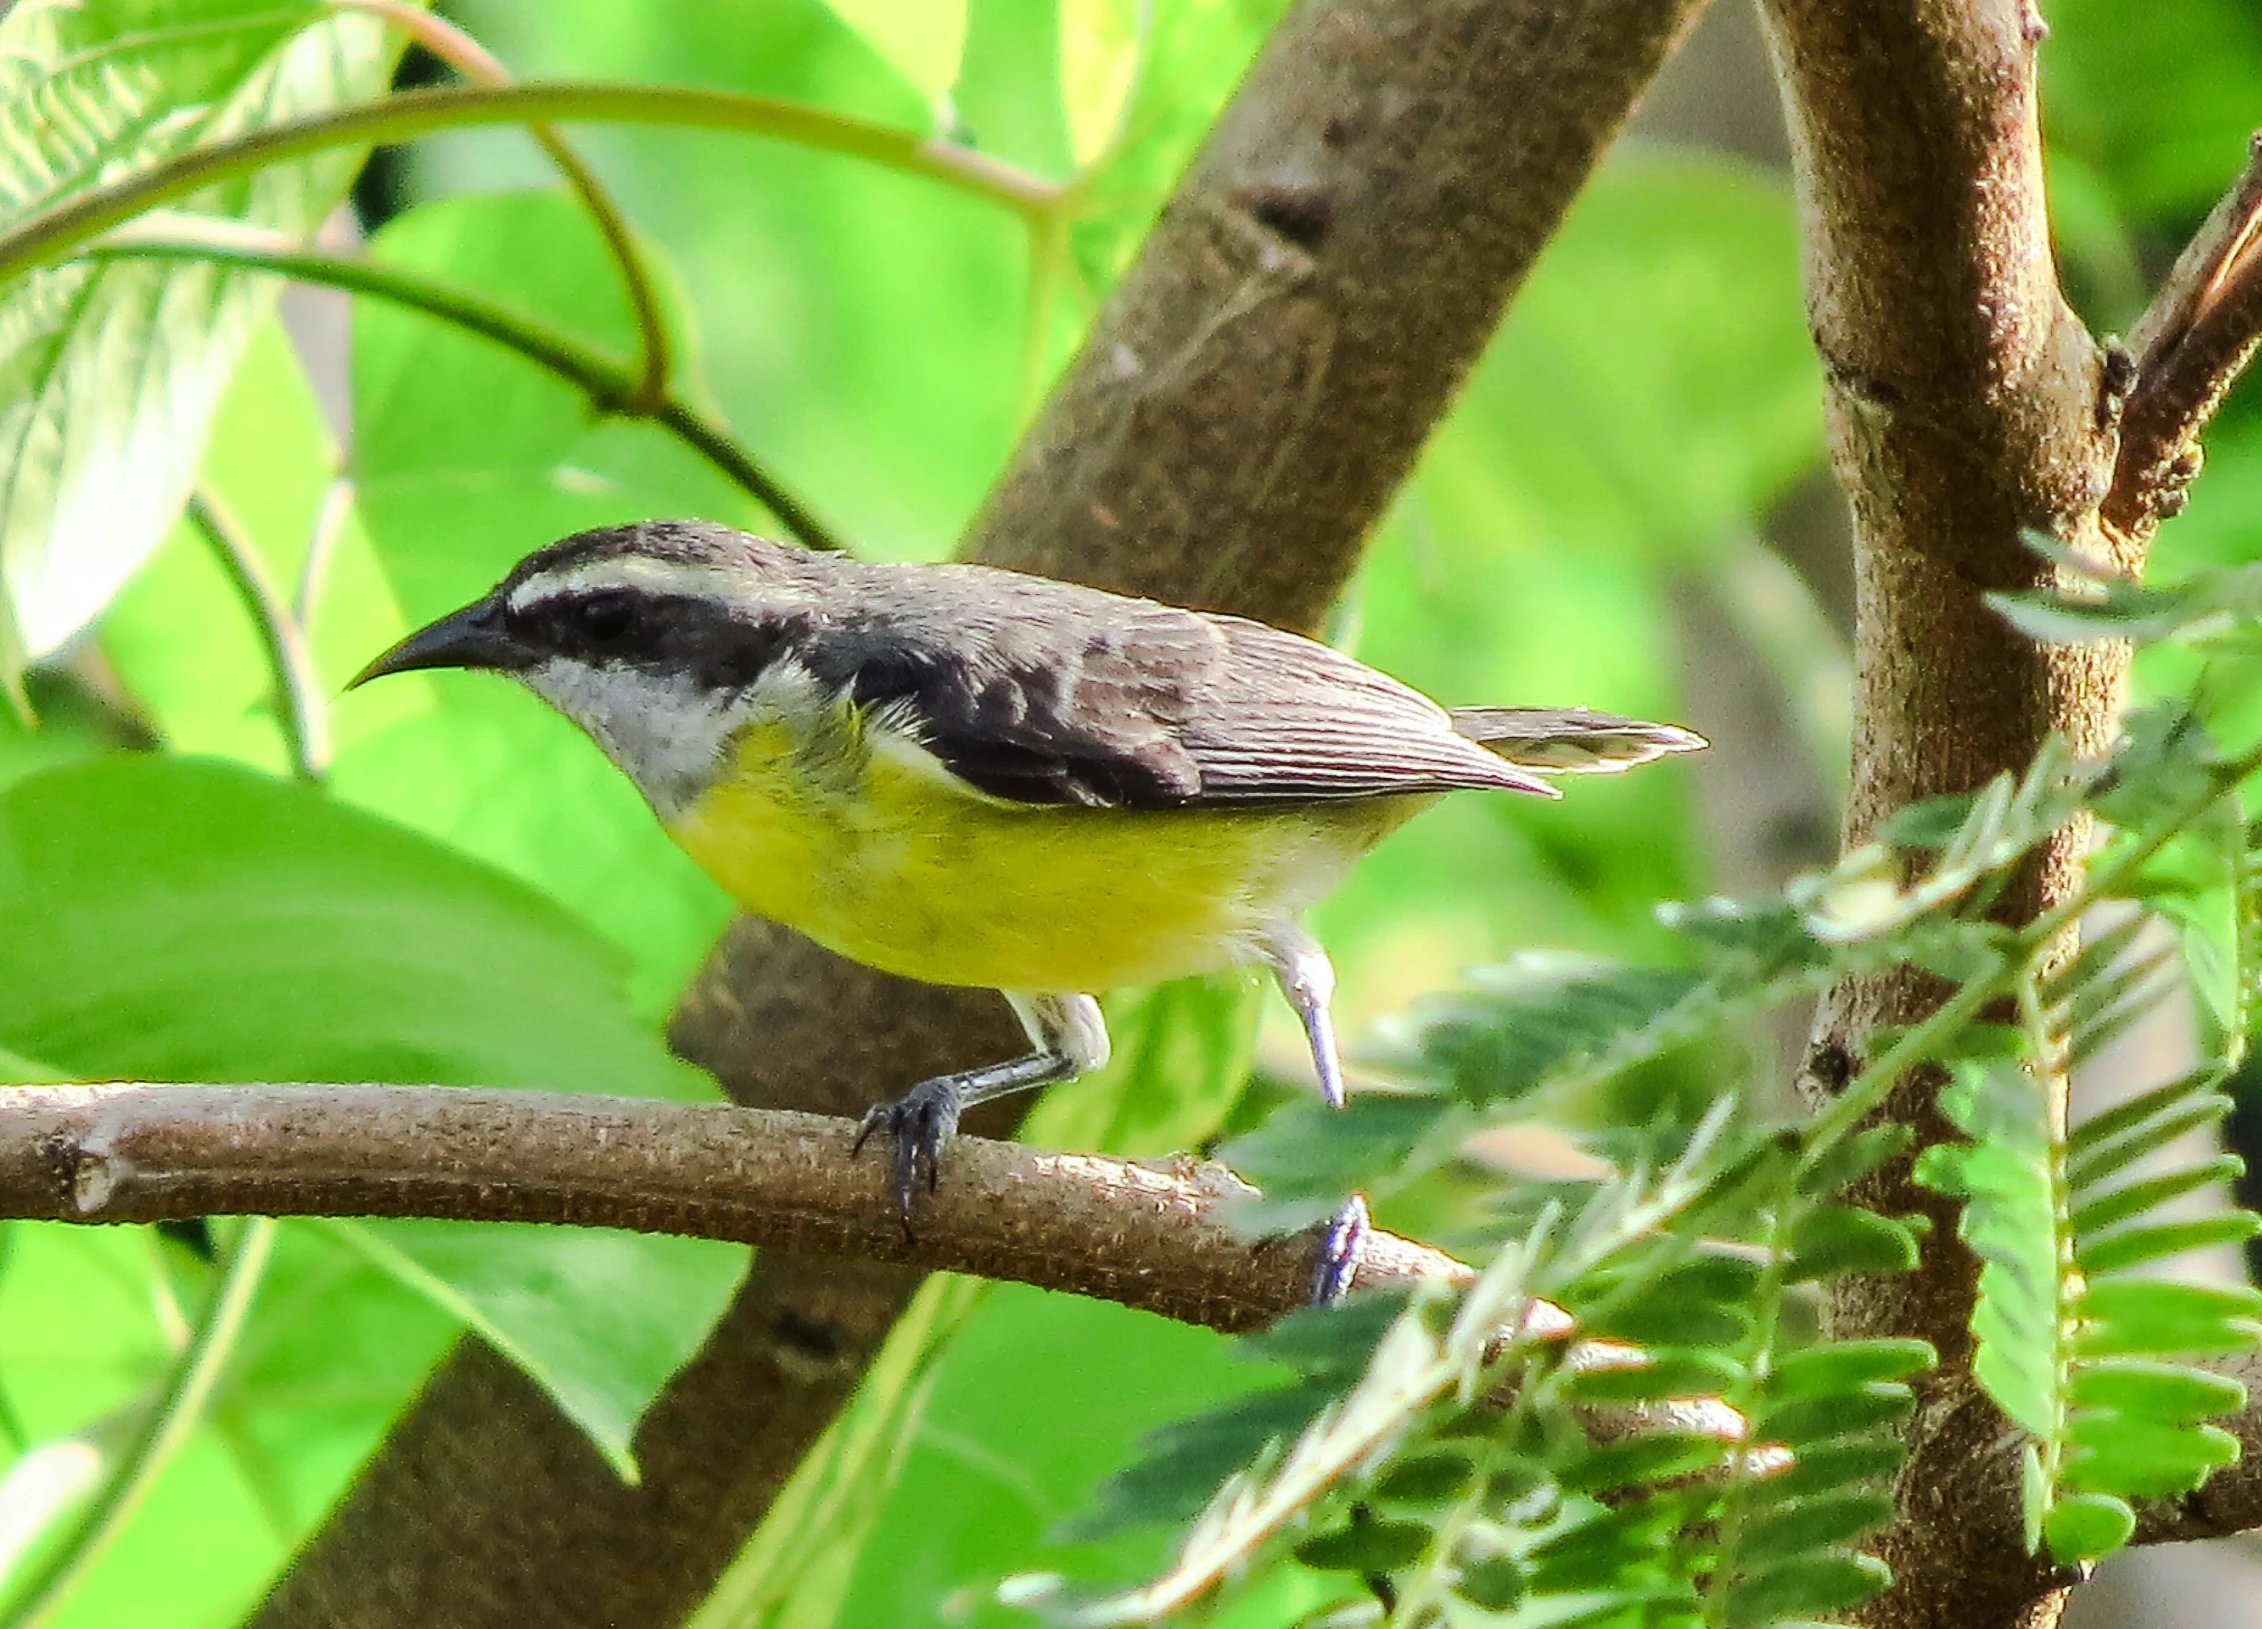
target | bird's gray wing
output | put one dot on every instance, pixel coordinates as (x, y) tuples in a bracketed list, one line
[(1043, 693)]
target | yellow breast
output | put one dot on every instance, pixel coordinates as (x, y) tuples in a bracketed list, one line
[(882, 855)]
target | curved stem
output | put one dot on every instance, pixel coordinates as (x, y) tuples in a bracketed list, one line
[(471, 59), (181, 1403), (299, 704), (321, 544), (609, 384), (53, 232)]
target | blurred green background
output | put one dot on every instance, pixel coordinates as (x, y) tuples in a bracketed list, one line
[(1626, 509)]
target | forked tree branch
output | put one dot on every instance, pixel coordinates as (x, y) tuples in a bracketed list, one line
[(1152, 1235), (2191, 344)]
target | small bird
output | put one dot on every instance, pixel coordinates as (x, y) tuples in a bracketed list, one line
[(975, 777)]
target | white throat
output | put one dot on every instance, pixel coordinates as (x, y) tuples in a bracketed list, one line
[(666, 733)]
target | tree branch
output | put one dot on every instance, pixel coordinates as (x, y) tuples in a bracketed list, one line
[(1151, 1235), (1964, 403), (1241, 411), (2188, 348)]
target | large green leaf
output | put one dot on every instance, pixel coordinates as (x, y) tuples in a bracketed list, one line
[(109, 375), (174, 919)]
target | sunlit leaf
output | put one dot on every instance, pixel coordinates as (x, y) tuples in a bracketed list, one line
[(109, 375)]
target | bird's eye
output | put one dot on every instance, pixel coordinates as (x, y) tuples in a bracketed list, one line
[(603, 618)]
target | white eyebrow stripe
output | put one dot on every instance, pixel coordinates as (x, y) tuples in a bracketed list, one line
[(638, 573)]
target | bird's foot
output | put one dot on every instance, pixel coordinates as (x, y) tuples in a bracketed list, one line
[(917, 1125), (1341, 1241)]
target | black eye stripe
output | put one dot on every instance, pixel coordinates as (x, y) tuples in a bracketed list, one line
[(604, 616)]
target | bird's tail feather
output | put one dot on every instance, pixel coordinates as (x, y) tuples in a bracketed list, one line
[(1570, 740)]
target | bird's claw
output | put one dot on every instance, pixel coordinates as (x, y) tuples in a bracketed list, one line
[(917, 1125), (1336, 1263)]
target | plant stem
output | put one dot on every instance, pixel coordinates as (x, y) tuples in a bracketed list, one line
[(175, 1412), (299, 705), (52, 233), (321, 544), (609, 384), (468, 57)]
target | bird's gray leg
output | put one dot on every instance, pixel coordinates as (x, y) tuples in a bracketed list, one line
[(1307, 979), (1067, 1037)]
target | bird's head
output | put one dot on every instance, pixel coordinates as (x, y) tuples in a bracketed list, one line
[(647, 636)]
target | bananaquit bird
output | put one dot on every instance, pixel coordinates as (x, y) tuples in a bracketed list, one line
[(968, 776)]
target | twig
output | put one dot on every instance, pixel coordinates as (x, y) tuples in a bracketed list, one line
[(465, 54), (2191, 344), (1154, 1235), (51, 234), (321, 543), (179, 1405), (299, 703), (609, 384)]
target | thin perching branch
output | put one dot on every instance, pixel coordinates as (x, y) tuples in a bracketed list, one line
[(471, 59), (2190, 345), (1153, 1235)]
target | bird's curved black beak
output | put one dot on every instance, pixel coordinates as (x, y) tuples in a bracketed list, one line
[(474, 637)]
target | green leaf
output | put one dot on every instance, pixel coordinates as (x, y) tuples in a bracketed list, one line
[(1802, 1525), (922, 40), (1798, 1420), (1307, 1156), (600, 1319), (1820, 1467), (1659, 1456), (1542, 1016), (2011, 1219), (1366, 1546), (2136, 1119), (1834, 1366), (1423, 1479), (1833, 1241), (113, 372), (176, 919), (2133, 1246), (2166, 1391), (171, 919), (1662, 1375), (2134, 1317), (1807, 1587), (2084, 1526), (2144, 1459)]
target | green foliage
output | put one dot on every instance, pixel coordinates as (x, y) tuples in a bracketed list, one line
[(241, 897), (94, 468), (472, 895)]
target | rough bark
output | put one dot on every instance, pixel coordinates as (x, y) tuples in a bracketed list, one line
[(1156, 1235), (1244, 407), (1964, 403)]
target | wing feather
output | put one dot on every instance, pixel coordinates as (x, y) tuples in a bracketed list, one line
[(1046, 693)]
